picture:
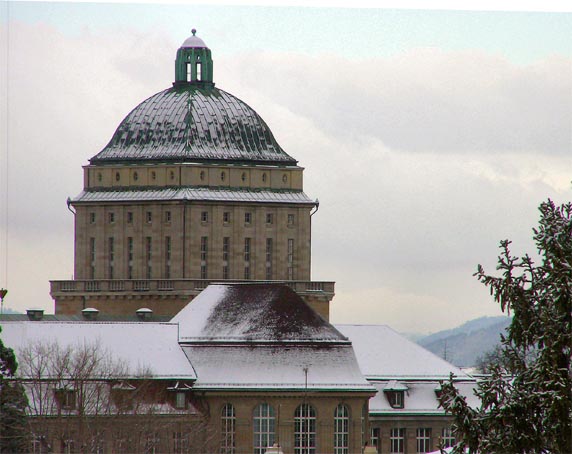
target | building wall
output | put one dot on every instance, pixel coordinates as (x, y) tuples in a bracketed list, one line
[(109, 229), (384, 425)]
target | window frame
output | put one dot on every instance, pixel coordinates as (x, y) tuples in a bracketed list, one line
[(341, 429), (305, 433), (264, 420)]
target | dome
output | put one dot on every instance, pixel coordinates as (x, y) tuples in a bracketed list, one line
[(194, 42), (193, 123)]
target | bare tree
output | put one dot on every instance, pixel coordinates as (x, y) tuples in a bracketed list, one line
[(81, 399)]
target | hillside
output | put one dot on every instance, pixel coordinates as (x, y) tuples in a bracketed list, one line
[(464, 344)]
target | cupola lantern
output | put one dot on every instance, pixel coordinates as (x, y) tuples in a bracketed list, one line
[(194, 64)]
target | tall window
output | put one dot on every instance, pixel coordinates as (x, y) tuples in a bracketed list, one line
[(247, 218), (130, 257), (148, 217), (305, 430), (423, 440), (397, 440), (148, 256), (269, 248), (167, 217), (111, 255), (225, 256), (290, 259), (341, 430), (375, 435), (247, 243), (226, 217), (264, 428), (92, 258), (204, 251), (167, 257), (204, 216), (180, 443), (228, 430), (447, 438)]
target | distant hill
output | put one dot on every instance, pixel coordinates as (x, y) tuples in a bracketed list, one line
[(464, 344)]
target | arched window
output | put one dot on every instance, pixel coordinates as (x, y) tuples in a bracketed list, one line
[(341, 430), (228, 430), (264, 428), (305, 430)]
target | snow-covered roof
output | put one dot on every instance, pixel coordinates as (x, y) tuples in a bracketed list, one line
[(278, 367), (252, 313), (383, 353), (196, 194), (142, 347), (420, 398)]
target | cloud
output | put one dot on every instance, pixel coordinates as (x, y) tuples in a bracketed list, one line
[(424, 100), (422, 162)]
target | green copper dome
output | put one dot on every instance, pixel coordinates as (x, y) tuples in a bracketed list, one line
[(193, 122)]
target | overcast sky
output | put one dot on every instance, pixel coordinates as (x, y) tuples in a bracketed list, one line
[(428, 136)]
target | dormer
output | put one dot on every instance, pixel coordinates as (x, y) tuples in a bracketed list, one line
[(395, 393)]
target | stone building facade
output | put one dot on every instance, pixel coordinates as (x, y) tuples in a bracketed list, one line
[(192, 188)]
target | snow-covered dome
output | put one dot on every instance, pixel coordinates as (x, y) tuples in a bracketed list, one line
[(194, 41)]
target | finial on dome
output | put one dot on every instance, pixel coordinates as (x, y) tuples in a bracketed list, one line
[(194, 31)]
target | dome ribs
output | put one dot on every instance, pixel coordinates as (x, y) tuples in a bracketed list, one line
[(219, 126)]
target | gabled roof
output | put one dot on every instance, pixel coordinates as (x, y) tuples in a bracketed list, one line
[(146, 347), (384, 353), (252, 313)]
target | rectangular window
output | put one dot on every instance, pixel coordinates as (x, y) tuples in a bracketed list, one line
[(397, 441), (180, 400), (111, 218), (225, 272), (149, 217), (248, 218), (423, 440), (226, 217), (92, 258), (180, 443), (247, 249), (130, 217), (269, 253), (447, 438), (199, 72), (152, 443), (290, 219), (225, 248), (167, 257), (375, 437), (92, 218), (205, 216), (204, 248), (246, 272), (290, 259), (204, 253), (269, 218), (189, 74), (111, 256), (66, 398), (148, 256), (395, 398), (130, 257), (168, 217)]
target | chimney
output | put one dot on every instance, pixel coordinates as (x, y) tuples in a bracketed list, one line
[(90, 313), (35, 314), (144, 313)]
